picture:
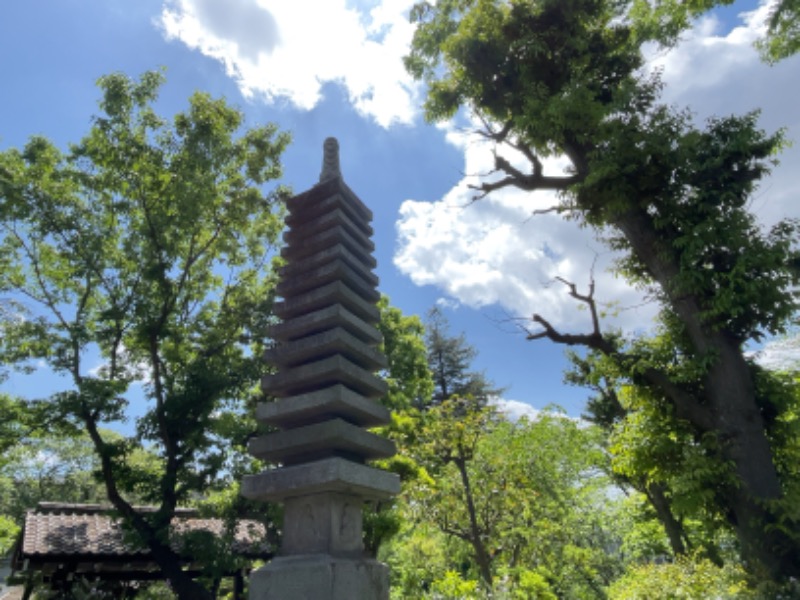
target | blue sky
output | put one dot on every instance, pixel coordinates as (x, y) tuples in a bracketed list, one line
[(332, 68)]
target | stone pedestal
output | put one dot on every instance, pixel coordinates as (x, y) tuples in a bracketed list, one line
[(326, 357), (320, 577)]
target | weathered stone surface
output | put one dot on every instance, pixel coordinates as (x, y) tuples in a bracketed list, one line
[(334, 437), (333, 293), (322, 373), (330, 160), (345, 202), (320, 577), (335, 218), (325, 355), (327, 475), (308, 202), (357, 259), (318, 321), (333, 402), (322, 240), (329, 523), (327, 343), (360, 281)]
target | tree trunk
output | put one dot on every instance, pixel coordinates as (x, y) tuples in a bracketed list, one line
[(167, 559), (672, 527), (179, 581), (730, 411), (476, 537)]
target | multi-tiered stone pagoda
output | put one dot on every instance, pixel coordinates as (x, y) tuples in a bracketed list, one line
[(326, 356)]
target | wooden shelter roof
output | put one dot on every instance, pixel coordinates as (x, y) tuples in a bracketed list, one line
[(63, 540)]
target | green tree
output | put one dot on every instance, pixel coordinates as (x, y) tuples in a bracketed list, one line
[(14, 424), (783, 37), (47, 468), (410, 385), (408, 374), (449, 360), (556, 77), (147, 244), (665, 20), (601, 374), (526, 499)]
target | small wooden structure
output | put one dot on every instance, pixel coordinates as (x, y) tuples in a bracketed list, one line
[(61, 544)]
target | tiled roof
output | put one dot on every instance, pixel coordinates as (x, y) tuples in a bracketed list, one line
[(76, 529)]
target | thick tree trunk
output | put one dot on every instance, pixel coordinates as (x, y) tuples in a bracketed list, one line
[(729, 409)]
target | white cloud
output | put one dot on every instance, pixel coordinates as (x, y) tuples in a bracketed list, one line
[(139, 372), (493, 252), (514, 410), (288, 49), (720, 73), (781, 354)]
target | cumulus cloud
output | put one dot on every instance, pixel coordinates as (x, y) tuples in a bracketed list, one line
[(288, 49), (514, 410), (781, 354), (714, 72), (494, 252)]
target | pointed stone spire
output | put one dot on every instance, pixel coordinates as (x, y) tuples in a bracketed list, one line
[(330, 160), (325, 358)]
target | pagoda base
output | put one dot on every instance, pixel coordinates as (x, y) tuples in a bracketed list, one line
[(320, 577)]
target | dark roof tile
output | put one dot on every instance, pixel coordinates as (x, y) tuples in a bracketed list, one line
[(91, 530)]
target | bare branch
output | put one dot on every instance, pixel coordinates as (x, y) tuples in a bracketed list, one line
[(685, 403), (560, 208), (490, 134)]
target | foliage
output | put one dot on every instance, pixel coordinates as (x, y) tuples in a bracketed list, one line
[(49, 468), (665, 20), (8, 534), (13, 424), (514, 497), (453, 587), (783, 37), (683, 579), (146, 246), (417, 557), (407, 375), (449, 360), (553, 77)]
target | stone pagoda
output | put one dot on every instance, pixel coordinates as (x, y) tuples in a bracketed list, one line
[(325, 358)]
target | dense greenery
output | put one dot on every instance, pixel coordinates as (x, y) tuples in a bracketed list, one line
[(137, 265), (566, 77)]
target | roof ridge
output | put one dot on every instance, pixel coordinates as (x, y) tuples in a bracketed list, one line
[(75, 509)]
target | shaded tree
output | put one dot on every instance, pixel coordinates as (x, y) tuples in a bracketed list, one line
[(604, 408), (450, 361), (554, 77)]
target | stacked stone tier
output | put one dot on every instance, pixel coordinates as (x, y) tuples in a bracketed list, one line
[(325, 357), (335, 402)]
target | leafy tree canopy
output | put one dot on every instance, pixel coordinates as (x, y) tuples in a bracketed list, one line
[(565, 77), (149, 244)]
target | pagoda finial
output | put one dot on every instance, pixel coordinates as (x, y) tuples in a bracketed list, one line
[(330, 160)]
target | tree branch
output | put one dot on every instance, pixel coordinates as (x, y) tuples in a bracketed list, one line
[(685, 403)]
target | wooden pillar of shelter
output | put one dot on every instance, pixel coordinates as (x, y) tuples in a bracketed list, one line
[(326, 391)]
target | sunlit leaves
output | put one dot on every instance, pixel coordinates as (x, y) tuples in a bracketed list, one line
[(148, 245)]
